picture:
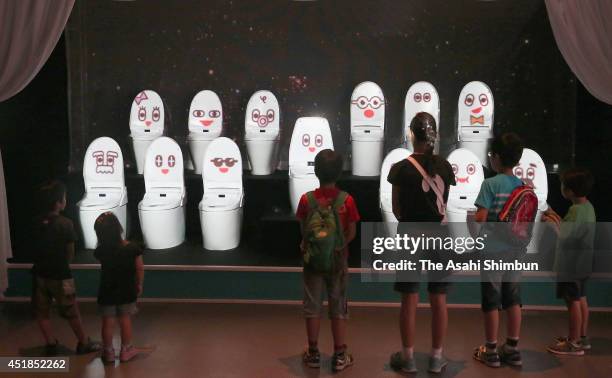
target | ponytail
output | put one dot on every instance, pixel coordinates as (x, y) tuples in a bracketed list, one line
[(423, 126)]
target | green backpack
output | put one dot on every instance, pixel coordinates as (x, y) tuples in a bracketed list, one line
[(323, 233)]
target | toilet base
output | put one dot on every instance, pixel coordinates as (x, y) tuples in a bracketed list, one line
[(480, 148), (262, 156), (140, 152), (300, 185), (197, 148), (367, 157), (221, 229), (390, 223), (87, 219), (162, 229)]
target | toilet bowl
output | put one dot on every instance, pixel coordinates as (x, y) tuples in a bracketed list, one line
[(162, 210), (532, 171), (421, 97), (221, 205), (146, 124), (475, 119), (469, 175), (205, 124), (367, 129), (310, 136), (104, 187), (385, 189), (261, 132)]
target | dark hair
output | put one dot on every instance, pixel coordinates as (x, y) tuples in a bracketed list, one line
[(328, 166), (50, 194), (108, 230), (578, 180), (509, 148), (424, 128)]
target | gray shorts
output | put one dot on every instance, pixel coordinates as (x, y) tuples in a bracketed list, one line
[(334, 284), (117, 310)]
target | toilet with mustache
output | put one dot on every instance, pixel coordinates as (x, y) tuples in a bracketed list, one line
[(385, 189), (367, 129), (475, 119), (162, 210), (310, 135), (146, 124), (469, 175), (104, 187), (532, 171), (261, 132), (205, 124), (421, 97), (221, 205)]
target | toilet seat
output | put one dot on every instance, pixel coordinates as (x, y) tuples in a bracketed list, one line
[(103, 199), (221, 200), (157, 200)]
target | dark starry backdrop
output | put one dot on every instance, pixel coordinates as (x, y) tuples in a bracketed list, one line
[(311, 54)]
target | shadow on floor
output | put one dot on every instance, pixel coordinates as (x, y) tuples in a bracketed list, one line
[(600, 346), (535, 361)]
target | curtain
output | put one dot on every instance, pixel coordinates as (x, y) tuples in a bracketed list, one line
[(583, 31), (29, 31)]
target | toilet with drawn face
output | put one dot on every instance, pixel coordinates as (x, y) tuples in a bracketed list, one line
[(310, 136), (469, 175), (262, 131), (386, 189), (475, 119), (146, 124), (162, 210), (421, 97), (205, 124), (104, 187), (367, 129), (221, 205), (532, 171)]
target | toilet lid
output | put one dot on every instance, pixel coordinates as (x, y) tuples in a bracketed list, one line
[(475, 110), (222, 165), (205, 115), (161, 200), (469, 175), (103, 165), (310, 135), (392, 157), (102, 200), (163, 165), (367, 111), (531, 170), (422, 96), (147, 115), (262, 117)]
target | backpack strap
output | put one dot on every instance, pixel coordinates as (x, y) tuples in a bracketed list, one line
[(340, 199), (431, 183), (313, 203)]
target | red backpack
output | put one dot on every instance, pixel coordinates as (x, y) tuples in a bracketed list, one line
[(519, 213)]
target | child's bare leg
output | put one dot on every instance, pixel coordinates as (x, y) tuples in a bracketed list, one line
[(575, 320), (439, 319), (491, 320), (407, 320), (45, 327), (514, 322), (77, 326), (312, 331), (584, 309), (108, 327), (125, 323), (339, 333)]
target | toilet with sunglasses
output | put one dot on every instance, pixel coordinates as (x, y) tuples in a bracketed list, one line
[(205, 124), (221, 205), (367, 129), (162, 210)]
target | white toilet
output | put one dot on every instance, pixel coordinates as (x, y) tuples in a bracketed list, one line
[(146, 124), (221, 205), (532, 171), (469, 175), (104, 187), (385, 189), (421, 97), (475, 119), (310, 135), (162, 210), (205, 124), (367, 129), (261, 132)]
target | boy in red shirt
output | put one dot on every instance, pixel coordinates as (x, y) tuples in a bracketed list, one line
[(328, 167)]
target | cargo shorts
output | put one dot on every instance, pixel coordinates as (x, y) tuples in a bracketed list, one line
[(335, 284), (45, 290)]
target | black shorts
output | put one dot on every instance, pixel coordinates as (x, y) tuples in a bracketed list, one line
[(572, 291)]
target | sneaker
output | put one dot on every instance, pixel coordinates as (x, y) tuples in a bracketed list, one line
[(51, 349), (341, 361), (108, 356), (510, 356), (399, 362), (436, 364), (566, 347), (312, 358), (489, 358), (88, 347), (585, 342), (127, 353)]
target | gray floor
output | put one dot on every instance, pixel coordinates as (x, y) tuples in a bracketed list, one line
[(213, 340)]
